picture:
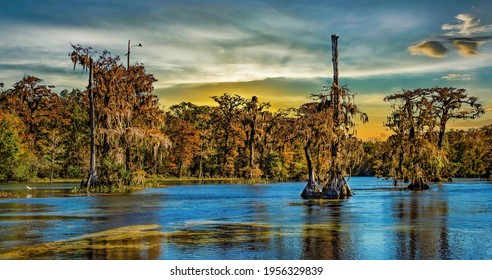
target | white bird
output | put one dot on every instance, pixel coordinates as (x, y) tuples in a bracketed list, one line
[(29, 188)]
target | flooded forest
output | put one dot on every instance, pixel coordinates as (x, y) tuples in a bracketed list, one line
[(116, 128), (84, 172)]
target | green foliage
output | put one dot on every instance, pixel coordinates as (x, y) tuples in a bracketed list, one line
[(14, 160), (470, 153), (74, 171), (370, 159), (23, 169), (75, 135), (113, 174), (9, 149)]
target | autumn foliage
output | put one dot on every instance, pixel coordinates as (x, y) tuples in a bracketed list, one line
[(47, 134)]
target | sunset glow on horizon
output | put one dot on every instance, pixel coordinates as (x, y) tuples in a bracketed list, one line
[(277, 50)]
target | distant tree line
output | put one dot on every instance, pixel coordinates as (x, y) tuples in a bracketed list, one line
[(469, 155), (44, 134)]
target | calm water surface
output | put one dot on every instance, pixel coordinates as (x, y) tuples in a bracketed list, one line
[(264, 221)]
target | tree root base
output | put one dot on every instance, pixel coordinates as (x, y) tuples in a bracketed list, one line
[(335, 190), (418, 187)]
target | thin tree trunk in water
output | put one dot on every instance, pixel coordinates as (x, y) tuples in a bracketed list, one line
[(91, 180), (309, 163), (311, 190)]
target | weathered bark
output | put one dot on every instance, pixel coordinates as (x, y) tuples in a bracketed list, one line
[(335, 95), (335, 98)]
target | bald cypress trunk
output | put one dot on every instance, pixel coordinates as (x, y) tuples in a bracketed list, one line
[(92, 178), (311, 190)]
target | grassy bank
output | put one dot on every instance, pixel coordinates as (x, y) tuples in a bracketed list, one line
[(46, 180), (192, 181), (149, 182)]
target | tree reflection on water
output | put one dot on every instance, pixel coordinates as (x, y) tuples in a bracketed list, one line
[(325, 236), (423, 223)]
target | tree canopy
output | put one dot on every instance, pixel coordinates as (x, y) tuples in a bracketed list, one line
[(418, 120)]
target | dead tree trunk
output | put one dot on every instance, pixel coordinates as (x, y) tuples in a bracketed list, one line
[(92, 178), (335, 93), (337, 186)]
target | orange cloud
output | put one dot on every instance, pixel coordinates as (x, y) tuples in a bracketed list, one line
[(280, 92), (429, 48), (467, 47)]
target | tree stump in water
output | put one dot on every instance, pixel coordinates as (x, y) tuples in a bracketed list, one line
[(418, 185), (338, 188)]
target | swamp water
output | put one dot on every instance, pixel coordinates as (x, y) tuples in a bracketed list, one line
[(240, 221)]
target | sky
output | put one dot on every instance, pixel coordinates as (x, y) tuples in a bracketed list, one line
[(279, 51)]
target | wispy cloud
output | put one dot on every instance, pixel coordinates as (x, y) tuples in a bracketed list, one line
[(466, 44), (457, 77), (224, 41), (467, 25)]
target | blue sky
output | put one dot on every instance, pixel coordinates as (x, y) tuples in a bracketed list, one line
[(277, 50)]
